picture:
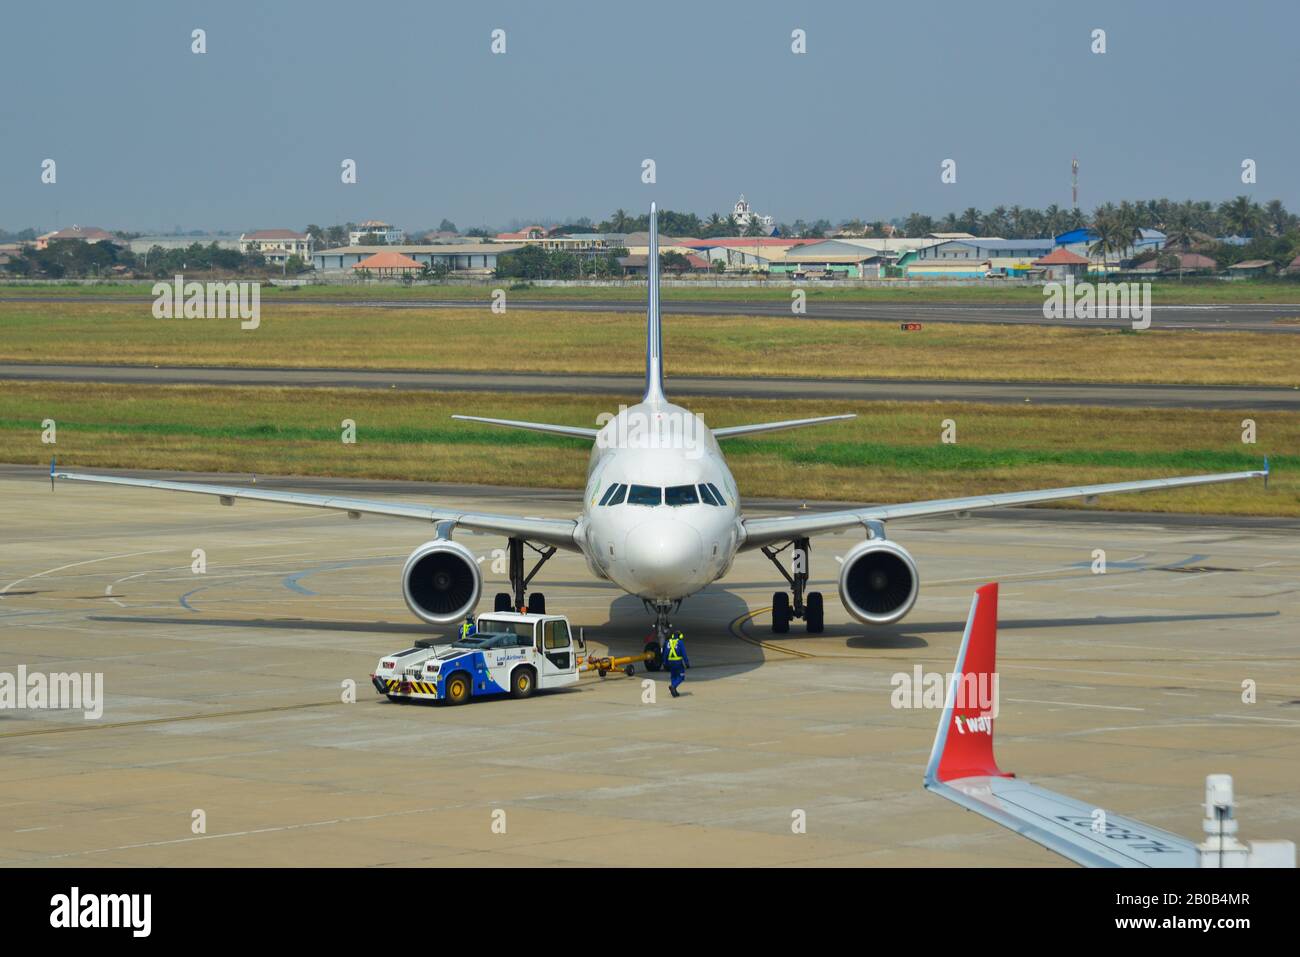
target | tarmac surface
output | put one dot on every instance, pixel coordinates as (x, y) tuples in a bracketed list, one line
[(1248, 398), (1226, 317), (223, 693)]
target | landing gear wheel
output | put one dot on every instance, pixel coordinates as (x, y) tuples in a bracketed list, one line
[(780, 612), (813, 613), (502, 602), (458, 688), (656, 662), (523, 683), (536, 603)]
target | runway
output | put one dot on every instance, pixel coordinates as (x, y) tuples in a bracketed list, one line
[(1249, 398), (1227, 317), (224, 693)]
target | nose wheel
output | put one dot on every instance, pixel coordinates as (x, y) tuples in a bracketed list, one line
[(787, 606), (655, 646)]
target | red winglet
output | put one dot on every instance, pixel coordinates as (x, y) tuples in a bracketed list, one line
[(967, 732)]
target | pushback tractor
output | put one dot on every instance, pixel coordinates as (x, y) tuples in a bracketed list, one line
[(510, 653)]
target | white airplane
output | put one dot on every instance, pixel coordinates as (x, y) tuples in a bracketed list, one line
[(661, 517)]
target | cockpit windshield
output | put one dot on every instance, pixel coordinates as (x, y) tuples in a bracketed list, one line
[(706, 494), (681, 495), (645, 495)]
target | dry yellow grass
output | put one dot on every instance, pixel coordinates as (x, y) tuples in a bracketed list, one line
[(475, 339)]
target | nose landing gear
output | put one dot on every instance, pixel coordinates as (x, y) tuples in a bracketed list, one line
[(654, 647), (783, 609)]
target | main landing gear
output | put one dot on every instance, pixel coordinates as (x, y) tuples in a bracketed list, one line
[(662, 610), (513, 600), (808, 608)]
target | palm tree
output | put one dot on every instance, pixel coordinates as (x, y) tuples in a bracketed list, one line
[(918, 225), (1279, 220), (619, 222), (994, 223), (1111, 235), (1241, 216)]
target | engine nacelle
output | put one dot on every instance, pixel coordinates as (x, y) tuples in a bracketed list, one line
[(441, 582), (878, 582)]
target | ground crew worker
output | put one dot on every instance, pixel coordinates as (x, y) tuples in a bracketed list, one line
[(467, 627), (677, 660)]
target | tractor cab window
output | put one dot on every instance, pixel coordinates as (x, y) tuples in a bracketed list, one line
[(521, 630)]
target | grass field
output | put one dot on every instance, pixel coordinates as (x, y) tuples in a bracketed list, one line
[(1167, 292), (891, 452), (476, 339)]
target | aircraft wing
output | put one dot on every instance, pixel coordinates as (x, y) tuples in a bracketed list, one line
[(572, 431), (962, 769), (765, 531), (549, 531), (1085, 834)]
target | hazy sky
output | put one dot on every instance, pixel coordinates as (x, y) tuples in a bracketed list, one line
[(149, 136)]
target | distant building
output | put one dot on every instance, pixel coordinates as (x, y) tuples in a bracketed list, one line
[(1079, 240), (389, 263), (830, 259), (468, 258), (85, 234), (375, 229), (752, 252), (1249, 268), (637, 264), (744, 216), (1178, 263), (277, 245), (527, 234), (142, 244), (1061, 264), (976, 258)]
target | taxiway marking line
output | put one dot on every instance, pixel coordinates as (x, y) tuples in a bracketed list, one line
[(185, 717), (737, 628)]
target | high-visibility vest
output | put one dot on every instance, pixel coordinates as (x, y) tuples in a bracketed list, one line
[(465, 628), (673, 653)]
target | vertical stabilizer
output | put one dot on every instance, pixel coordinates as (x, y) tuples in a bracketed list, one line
[(654, 340)]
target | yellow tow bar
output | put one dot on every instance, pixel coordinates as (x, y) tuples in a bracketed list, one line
[(603, 666)]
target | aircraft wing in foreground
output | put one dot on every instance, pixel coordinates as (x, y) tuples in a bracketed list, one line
[(962, 769)]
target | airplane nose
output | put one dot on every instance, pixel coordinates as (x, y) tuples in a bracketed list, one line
[(665, 558)]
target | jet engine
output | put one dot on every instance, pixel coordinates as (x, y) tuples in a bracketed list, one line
[(878, 582), (441, 582)]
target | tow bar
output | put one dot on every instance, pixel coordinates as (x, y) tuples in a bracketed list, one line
[(603, 666)]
